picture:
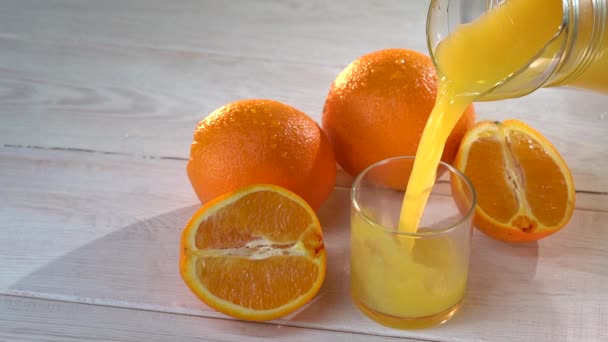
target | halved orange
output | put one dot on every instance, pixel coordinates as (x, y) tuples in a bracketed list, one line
[(525, 190), (255, 254)]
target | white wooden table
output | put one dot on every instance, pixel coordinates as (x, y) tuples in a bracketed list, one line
[(98, 102)]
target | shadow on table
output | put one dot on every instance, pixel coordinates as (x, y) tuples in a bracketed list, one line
[(134, 264), (500, 274), (137, 267), (334, 297)]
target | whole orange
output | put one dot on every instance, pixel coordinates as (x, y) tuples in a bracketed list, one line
[(378, 106), (261, 141)]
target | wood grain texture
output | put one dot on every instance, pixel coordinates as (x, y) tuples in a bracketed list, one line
[(314, 32), (135, 77), (23, 319), (75, 235)]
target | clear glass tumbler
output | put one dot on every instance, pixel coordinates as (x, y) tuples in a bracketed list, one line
[(409, 280)]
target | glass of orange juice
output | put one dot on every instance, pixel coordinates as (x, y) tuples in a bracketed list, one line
[(409, 280)]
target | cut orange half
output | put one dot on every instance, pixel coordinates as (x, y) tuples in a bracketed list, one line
[(524, 188), (254, 254)]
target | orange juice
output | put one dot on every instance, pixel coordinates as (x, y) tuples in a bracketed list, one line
[(405, 288), (407, 280), (471, 61)]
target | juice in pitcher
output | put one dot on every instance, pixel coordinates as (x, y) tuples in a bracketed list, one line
[(584, 58), (576, 54)]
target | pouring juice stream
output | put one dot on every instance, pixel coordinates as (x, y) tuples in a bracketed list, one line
[(470, 62)]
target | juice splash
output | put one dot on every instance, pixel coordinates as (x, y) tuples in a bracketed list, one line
[(475, 58)]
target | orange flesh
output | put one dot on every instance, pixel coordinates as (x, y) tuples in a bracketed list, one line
[(523, 178), (246, 220), (271, 280), (485, 164), (544, 183)]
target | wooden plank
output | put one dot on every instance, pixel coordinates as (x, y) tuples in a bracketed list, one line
[(329, 33), (104, 229), (51, 192), (136, 78), (23, 319), (131, 100)]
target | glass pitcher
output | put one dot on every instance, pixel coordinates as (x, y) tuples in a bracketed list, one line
[(576, 56)]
